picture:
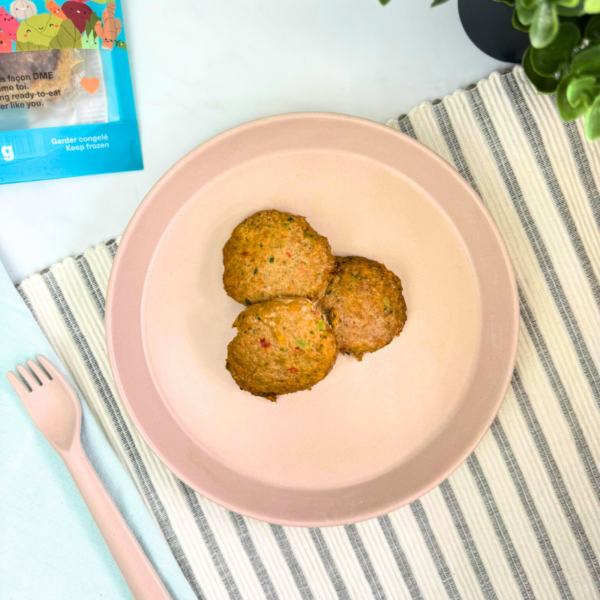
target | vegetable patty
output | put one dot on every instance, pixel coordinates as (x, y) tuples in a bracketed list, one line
[(282, 346), (276, 254), (365, 305)]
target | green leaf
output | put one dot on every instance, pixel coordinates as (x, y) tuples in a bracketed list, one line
[(566, 3), (67, 37), (544, 26), (551, 59), (90, 25), (28, 46), (544, 85), (566, 111), (525, 14), (592, 6), (592, 121), (574, 11), (383, 2), (509, 2), (582, 91), (586, 61), (438, 2), (517, 24), (528, 4), (592, 29)]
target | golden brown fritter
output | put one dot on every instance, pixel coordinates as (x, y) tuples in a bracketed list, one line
[(275, 254), (365, 305), (282, 346)]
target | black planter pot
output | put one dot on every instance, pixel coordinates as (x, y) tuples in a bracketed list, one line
[(489, 26)]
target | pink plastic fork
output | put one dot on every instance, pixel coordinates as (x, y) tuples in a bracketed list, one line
[(55, 409)]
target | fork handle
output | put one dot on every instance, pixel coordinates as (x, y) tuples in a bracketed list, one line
[(137, 570)]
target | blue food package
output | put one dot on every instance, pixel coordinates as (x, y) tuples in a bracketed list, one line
[(66, 100)]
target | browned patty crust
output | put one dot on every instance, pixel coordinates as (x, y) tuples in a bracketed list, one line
[(282, 346), (365, 305), (276, 254)]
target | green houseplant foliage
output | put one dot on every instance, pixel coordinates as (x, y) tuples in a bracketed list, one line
[(564, 56)]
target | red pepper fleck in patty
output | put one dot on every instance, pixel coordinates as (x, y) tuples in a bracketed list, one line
[(293, 370), (265, 343), (244, 253), (289, 254)]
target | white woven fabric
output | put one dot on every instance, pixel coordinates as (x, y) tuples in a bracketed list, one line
[(521, 517)]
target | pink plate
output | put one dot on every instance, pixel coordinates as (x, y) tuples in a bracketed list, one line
[(372, 436)]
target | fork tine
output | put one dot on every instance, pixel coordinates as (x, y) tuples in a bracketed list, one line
[(50, 368), (37, 371), (28, 377), (17, 384)]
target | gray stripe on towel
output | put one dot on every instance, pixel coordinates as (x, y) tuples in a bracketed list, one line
[(583, 166), (400, 557), (447, 130), (531, 510), (210, 541), (365, 562), (508, 548), (247, 542), (532, 133), (91, 284), (589, 556), (435, 551), (560, 392), (25, 299), (406, 126), (487, 589), (112, 248), (332, 571), (292, 562)]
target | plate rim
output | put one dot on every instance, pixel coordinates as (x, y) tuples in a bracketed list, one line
[(126, 240)]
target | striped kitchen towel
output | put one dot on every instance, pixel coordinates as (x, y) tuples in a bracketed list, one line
[(521, 517)]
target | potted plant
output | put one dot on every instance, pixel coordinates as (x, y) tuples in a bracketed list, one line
[(562, 56)]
